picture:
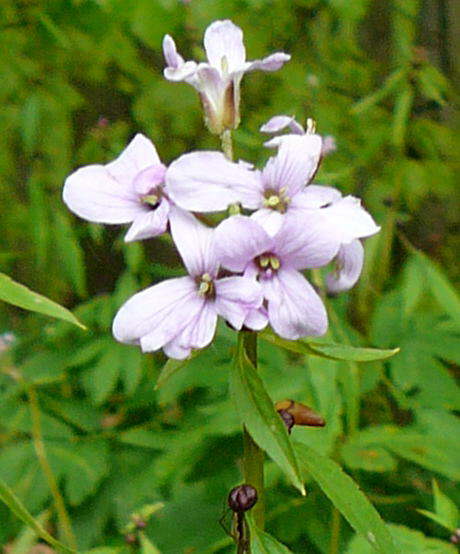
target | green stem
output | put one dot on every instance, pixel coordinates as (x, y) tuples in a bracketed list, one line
[(39, 446), (335, 532), (253, 456), (227, 145)]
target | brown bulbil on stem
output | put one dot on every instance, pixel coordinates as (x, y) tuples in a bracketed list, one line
[(302, 415), (242, 498)]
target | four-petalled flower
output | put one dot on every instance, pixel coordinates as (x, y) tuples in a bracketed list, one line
[(218, 80)]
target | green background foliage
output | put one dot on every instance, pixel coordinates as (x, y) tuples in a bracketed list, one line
[(79, 78)]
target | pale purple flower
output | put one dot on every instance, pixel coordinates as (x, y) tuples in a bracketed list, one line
[(349, 262), (280, 122), (218, 80), (128, 190), (292, 306), (180, 314)]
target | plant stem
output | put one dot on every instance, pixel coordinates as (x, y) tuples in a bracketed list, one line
[(335, 532), (39, 446), (253, 456), (227, 146)]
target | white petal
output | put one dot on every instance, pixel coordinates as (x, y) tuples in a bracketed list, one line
[(270, 220), (315, 196), (154, 316), (236, 297), (194, 242), (92, 193), (302, 244), (294, 165), (174, 350), (280, 122), (138, 155), (199, 332), (238, 240), (223, 39), (208, 182), (149, 224), (256, 319), (350, 264), (270, 63), (294, 308), (172, 57)]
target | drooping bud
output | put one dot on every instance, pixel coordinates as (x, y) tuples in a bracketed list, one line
[(455, 537), (287, 418), (302, 415), (242, 498)]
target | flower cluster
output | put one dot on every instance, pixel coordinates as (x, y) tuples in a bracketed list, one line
[(248, 269)]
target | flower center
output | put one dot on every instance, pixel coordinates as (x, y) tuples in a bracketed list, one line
[(267, 263), (276, 200), (153, 197), (206, 286)]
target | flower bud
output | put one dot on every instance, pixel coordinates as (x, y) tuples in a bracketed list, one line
[(287, 418), (302, 415), (242, 498), (455, 537)]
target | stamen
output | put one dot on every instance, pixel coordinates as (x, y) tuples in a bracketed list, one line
[(151, 199), (264, 261), (311, 126), (224, 65), (272, 201), (206, 286), (274, 262)]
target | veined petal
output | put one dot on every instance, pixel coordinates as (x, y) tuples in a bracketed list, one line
[(294, 308), (223, 42), (343, 220), (138, 155), (280, 122), (199, 332), (294, 165), (238, 240), (350, 260), (270, 220), (154, 316), (315, 196), (207, 182), (194, 242), (236, 297), (184, 72), (149, 178), (174, 350), (302, 244), (94, 194), (150, 223), (172, 57), (270, 63), (256, 319)]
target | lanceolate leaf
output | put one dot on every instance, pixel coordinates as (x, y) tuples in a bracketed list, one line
[(258, 414), (331, 351), (347, 497), (263, 543), (15, 505), (19, 295)]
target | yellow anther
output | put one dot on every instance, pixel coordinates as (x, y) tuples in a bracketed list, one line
[(274, 262), (272, 200), (206, 277), (264, 261), (204, 288), (234, 209), (150, 199), (311, 126)]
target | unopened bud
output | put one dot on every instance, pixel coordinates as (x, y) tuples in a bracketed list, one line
[(303, 415), (130, 538), (287, 418), (242, 498)]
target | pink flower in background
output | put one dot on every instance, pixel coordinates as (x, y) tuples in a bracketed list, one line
[(180, 314), (218, 80), (128, 190), (293, 308)]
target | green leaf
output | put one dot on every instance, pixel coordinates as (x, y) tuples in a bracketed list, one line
[(391, 82), (441, 289), (258, 414), (263, 543), (446, 512), (28, 537), (19, 295), (331, 351), (347, 497), (172, 366), (15, 505), (401, 114), (147, 547)]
